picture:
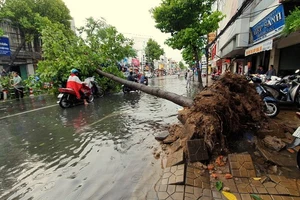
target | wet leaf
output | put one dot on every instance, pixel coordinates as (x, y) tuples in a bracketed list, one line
[(229, 196), (256, 197), (42, 144), (219, 185), (256, 179)]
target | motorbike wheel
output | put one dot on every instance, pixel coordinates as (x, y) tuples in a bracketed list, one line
[(271, 109), (90, 99), (64, 102), (124, 89), (100, 92)]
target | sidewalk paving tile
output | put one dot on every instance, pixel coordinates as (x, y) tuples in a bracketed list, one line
[(243, 186), (192, 193), (226, 183), (197, 178), (173, 175), (275, 197), (241, 165), (285, 186), (257, 187), (197, 150), (175, 158), (174, 192)]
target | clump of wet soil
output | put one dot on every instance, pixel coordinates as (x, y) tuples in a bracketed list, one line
[(220, 112)]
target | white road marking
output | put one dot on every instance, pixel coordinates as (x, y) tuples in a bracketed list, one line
[(28, 111)]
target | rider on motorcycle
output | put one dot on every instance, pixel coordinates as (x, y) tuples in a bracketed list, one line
[(76, 84)]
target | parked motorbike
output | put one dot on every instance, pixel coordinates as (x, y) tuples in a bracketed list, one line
[(215, 76), (286, 90), (271, 108), (67, 97)]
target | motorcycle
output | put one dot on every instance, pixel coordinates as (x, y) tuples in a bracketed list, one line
[(96, 89), (127, 89), (67, 97), (286, 90), (215, 76), (271, 108)]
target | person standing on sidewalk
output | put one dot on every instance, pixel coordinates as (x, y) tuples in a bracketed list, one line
[(17, 84), (188, 78)]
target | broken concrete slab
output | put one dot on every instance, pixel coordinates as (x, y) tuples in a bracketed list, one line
[(283, 158), (197, 178), (175, 158), (197, 150), (274, 143)]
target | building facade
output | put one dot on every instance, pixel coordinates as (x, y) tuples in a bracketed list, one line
[(15, 53), (255, 38)]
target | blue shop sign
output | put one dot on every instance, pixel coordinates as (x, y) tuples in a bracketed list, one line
[(270, 25), (4, 46)]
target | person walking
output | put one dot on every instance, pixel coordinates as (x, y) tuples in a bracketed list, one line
[(17, 84), (188, 78)]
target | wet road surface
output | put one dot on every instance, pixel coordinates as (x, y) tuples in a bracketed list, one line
[(100, 151)]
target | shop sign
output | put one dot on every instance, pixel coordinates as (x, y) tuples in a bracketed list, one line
[(264, 46), (4, 46), (269, 26), (213, 51)]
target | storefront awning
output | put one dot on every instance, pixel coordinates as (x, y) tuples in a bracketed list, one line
[(264, 46)]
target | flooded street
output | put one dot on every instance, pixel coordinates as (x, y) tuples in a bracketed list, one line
[(100, 151)]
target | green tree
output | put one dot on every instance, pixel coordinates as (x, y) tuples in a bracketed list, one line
[(23, 14), (292, 22), (153, 51), (181, 65), (97, 44), (189, 22)]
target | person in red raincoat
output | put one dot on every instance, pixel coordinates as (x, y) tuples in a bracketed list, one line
[(76, 84)]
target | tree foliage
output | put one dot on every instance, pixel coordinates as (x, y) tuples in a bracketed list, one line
[(189, 22), (292, 22), (181, 65), (24, 13), (98, 44), (153, 51)]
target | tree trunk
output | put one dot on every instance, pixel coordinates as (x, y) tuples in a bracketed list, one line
[(198, 68), (175, 98)]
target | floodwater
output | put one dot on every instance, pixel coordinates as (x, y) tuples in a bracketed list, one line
[(100, 151)]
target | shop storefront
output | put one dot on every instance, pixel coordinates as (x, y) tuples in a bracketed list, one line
[(263, 34)]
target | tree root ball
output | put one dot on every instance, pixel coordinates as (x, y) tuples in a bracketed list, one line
[(221, 111)]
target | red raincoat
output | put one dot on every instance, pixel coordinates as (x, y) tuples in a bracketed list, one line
[(75, 83)]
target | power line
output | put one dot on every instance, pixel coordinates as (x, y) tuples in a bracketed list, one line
[(253, 14), (239, 12)]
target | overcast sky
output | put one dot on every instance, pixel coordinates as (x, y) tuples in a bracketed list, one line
[(130, 17)]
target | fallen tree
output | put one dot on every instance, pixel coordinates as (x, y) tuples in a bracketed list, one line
[(222, 110), (175, 98)]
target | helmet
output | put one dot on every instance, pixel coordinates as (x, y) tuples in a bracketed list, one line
[(73, 71)]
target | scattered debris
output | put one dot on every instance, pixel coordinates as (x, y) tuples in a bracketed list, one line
[(162, 136), (273, 143)]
